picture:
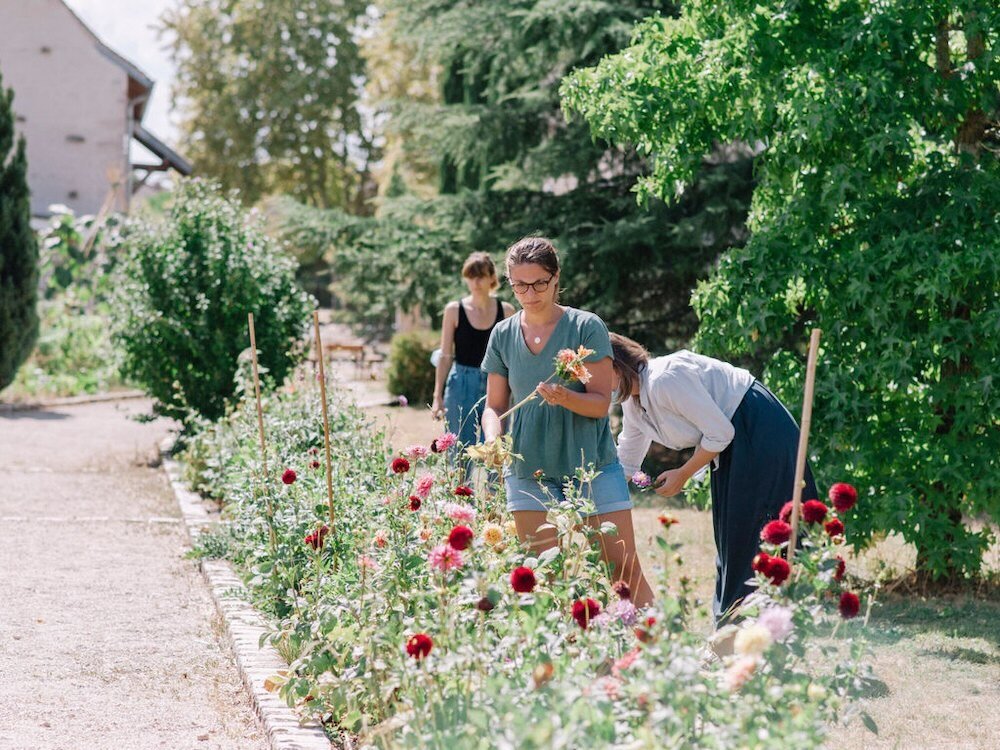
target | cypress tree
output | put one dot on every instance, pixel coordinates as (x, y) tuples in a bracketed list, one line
[(18, 250)]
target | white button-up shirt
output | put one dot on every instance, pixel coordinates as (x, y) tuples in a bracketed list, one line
[(685, 399)]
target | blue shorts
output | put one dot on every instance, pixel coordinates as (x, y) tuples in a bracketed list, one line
[(608, 491)]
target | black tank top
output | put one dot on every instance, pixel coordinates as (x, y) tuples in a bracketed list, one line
[(470, 342)]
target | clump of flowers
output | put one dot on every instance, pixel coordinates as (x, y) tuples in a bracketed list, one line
[(415, 452), (315, 539), (522, 580), (443, 443), (585, 610), (289, 476), (776, 532), (445, 558), (459, 512), (492, 534), (752, 640), (463, 491), (850, 605), (776, 569), (843, 496), (814, 511), (778, 621), (834, 527), (641, 480), (571, 365), (419, 646), (460, 537), (424, 485)]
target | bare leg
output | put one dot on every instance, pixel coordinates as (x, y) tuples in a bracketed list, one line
[(535, 539), (619, 552)]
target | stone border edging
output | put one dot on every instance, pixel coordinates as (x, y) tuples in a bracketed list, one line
[(90, 398), (244, 628)]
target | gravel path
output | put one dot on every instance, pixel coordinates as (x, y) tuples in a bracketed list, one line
[(108, 637)]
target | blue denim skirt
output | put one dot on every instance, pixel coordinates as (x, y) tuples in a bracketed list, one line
[(464, 398), (608, 491)]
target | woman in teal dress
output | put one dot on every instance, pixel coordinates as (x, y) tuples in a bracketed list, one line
[(568, 426)]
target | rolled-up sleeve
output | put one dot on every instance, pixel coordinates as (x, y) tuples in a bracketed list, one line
[(681, 391), (633, 443)]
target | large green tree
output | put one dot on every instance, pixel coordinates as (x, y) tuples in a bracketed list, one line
[(509, 163), (876, 217), (18, 250), (270, 92)]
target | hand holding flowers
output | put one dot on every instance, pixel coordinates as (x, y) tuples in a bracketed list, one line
[(569, 366)]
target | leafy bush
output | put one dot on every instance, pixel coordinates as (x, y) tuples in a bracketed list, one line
[(409, 371), (18, 250), (505, 669), (182, 297), (868, 221)]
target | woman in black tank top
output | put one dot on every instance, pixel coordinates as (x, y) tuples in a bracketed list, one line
[(460, 386)]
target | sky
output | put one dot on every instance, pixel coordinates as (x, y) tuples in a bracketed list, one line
[(127, 27)]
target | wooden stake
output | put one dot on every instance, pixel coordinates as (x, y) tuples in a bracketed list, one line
[(256, 388), (326, 419), (800, 461), (260, 428)]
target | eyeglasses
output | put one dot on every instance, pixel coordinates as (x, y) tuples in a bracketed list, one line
[(539, 286)]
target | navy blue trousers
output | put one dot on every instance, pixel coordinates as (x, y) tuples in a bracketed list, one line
[(755, 478)]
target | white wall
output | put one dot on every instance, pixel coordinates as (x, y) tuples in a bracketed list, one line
[(65, 90)]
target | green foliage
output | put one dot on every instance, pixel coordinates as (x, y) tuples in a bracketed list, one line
[(74, 354), (505, 669), (271, 92), (510, 164), (872, 219), (182, 295), (18, 250), (409, 371)]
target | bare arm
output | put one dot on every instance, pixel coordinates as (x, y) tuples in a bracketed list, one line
[(448, 324), (497, 402), (671, 482), (593, 402)]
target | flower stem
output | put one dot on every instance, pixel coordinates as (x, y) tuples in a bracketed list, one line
[(524, 400)]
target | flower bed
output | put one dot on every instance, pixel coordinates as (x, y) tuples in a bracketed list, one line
[(415, 618)]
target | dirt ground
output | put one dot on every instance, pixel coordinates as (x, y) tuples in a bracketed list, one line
[(108, 637)]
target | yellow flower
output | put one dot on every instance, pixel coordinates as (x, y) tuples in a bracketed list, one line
[(752, 640), (511, 528), (492, 534)]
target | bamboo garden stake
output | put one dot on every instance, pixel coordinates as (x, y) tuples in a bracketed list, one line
[(800, 462), (260, 426), (326, 420)]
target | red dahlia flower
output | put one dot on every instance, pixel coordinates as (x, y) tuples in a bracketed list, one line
[(400, 465), (834, 527), (622, 589), (419, 645), (643, 633), (776, 532), (463, 491), (786, 512), (585, 610), (774, 568), (522, 580), (315, 539), (289, 476), (813, 511), (850, 605), (838, 573), (314, 464), (415, 502), (843, 496), (460, 537)]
